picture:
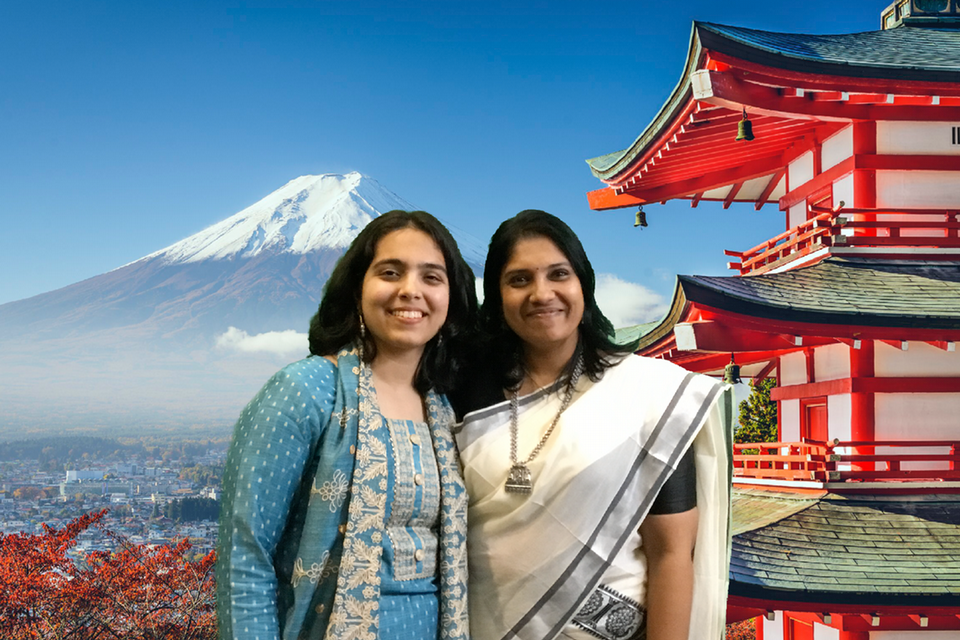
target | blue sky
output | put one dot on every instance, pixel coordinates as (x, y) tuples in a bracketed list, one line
[(127, 126)]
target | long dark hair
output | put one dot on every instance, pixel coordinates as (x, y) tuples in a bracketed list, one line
[(505, 349), (337, 321)]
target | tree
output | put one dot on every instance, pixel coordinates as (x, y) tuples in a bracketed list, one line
[(27, 493), (743, 630), (135, 592), (758, 414)]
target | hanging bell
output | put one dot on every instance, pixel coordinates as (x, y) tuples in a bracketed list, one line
[(745, 128), (731, 373), (641, 219)]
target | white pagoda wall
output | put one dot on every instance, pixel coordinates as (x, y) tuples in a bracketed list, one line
[(920, 359), (917, 189), (908, 189), (823, 632), (898, 416), (831, 362), (916, 138), (916, 416), (793, 370), (836, 148), (773, 629), (799, 172)]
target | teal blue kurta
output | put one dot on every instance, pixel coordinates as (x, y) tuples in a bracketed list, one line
[(303, 522)]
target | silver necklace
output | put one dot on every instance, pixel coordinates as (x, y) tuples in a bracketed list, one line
[(519, 480)]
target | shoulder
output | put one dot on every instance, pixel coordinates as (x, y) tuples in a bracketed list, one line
[(641, 367), (313, 374)]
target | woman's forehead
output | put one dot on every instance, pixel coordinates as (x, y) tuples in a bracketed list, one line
[(535, 248)]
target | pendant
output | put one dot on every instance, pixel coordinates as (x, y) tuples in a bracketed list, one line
[(519, 479)]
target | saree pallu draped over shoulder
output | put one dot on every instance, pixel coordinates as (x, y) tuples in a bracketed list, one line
[(535, 559)]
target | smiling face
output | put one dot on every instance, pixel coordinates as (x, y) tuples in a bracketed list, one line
[(405, 293), (542, 297)]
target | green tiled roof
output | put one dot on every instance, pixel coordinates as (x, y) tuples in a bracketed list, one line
[(634, 333), (841, 291), (851, 551), (757, 508)]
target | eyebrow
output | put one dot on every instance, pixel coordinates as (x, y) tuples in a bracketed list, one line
[(565, 263), (400, 263)]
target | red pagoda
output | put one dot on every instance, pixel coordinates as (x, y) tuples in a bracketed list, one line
[(848, 527)]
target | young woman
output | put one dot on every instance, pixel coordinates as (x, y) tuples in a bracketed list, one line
[(344, 513), (598, 480)]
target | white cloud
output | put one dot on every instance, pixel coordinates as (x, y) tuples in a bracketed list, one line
[(283, 343), (627, 303), (479, 286)]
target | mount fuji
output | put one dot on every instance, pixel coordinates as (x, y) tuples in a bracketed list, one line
[(154, 342)]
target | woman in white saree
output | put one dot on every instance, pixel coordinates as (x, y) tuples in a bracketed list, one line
[(580, 523)]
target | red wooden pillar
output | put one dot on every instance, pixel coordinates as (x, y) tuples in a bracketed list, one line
[(863, 408), (864, 180)]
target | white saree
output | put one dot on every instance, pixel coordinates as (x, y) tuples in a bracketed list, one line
[(571, 548)]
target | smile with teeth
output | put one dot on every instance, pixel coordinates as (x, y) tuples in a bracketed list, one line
[(403, 313), (541, 313)]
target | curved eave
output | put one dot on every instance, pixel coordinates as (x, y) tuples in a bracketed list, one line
[(664, 329), (607, 167), (707, 40)]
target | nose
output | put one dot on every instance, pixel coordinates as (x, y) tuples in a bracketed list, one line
[(542, 290), (410, 286)]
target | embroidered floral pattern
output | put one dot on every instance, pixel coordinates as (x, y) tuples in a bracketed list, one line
[(317, 571), (333, 491), (355, 617), (356, 603)]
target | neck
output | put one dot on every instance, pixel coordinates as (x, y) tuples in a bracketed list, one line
[(395, 369), (543, 367)]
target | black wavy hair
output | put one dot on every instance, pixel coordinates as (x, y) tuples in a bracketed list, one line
[(504, 348), (337, 321)]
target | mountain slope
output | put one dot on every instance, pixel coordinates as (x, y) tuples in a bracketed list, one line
[(141, 341)]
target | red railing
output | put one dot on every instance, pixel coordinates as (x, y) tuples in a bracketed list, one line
[(852, 228), (868, 462)]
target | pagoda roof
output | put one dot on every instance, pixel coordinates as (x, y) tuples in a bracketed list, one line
[(837, 299), (840, 550), (908, 53), (795, 88), (841, 291)]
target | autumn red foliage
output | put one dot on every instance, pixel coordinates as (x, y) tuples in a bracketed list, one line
[(135, 592), (743, 630)]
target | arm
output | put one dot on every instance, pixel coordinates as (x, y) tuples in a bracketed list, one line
[(271, 443), (668, 542)]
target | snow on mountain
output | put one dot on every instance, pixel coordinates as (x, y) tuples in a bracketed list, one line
[(162, 338), (306, 214)]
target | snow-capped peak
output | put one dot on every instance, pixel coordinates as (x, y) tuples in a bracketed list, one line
[(306, 214)]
